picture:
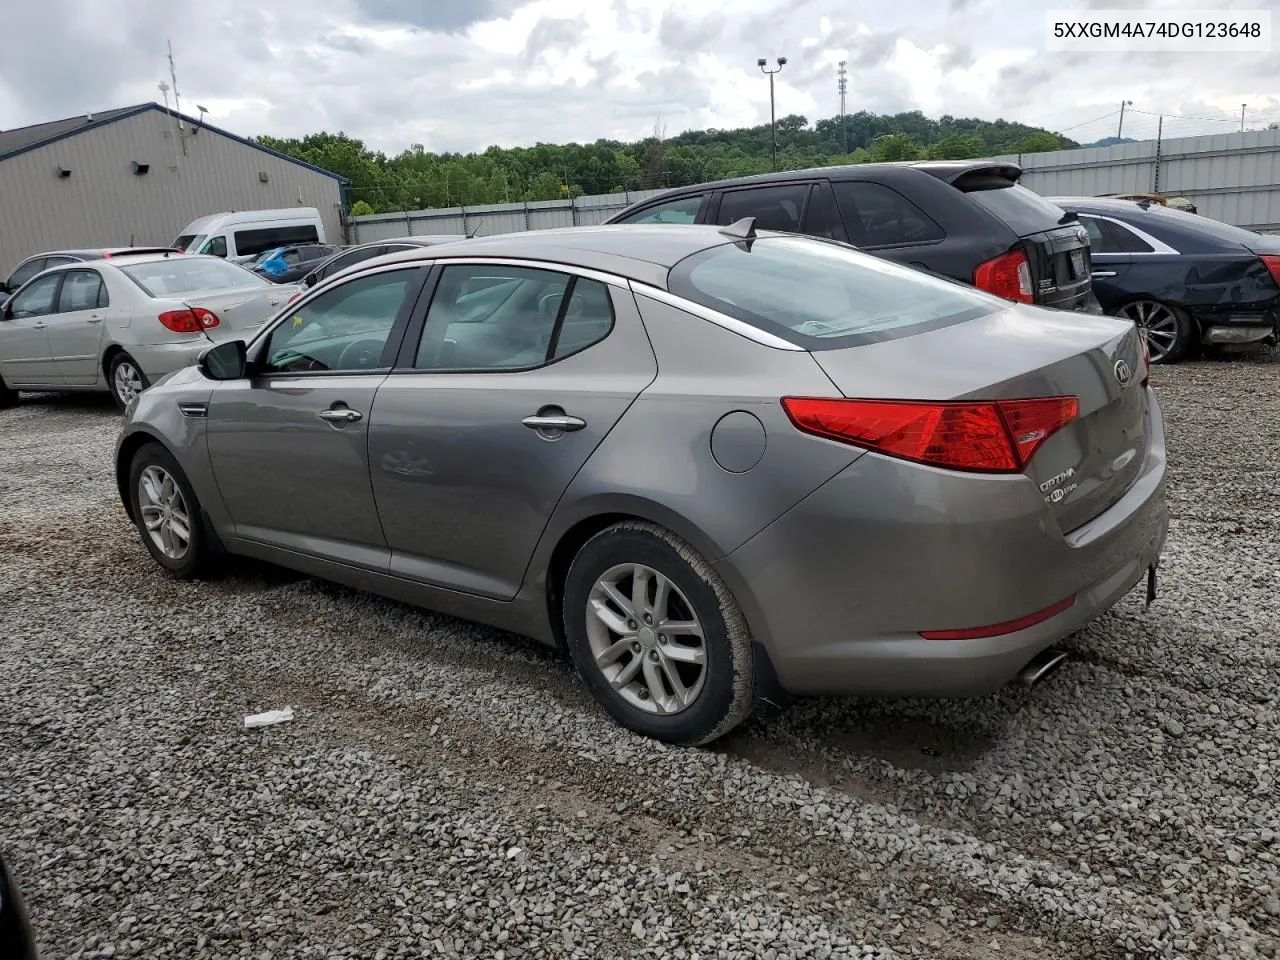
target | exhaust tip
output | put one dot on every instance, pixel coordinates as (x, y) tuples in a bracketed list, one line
[(1040, 666)]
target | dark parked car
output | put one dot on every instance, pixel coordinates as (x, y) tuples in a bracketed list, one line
[(969, 220), (1184, 279), (16, 941), (291, 264), (29, 267), (375, 248)]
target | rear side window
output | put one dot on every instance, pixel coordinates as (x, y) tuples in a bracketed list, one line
[(684, 210), (877, 216), (81, 290), (266, 238), (25, 272), (1024, 212), (821, 216), (822, 296), (775, 208), (351, 259), (1108, 237)]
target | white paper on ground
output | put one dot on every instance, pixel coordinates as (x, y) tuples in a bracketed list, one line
[(269, 718)]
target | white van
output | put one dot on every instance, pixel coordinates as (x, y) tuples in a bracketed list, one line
[(247, 233)]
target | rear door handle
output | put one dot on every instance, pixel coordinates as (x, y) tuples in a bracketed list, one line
[(39, 326), (557, 422), (340, 415), (1104, 273)]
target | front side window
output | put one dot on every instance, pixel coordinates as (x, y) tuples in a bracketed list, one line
[(684, 210), (215, 246), (182, 275), (25, 272), (821, 296), (81, 290), (775, 207), (877, 216), (510, 318), (37, 298), (344, 329)]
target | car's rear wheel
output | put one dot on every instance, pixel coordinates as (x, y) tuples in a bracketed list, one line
[(1169, 330), (126, 379), (167, 513), (657, 637)]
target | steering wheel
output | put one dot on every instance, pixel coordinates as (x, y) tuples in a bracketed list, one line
[(360, 355)]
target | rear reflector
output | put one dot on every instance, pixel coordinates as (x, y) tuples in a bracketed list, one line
[(194, 320), (1008, 276), (985, 437), (1000, 629), (1272, 264)]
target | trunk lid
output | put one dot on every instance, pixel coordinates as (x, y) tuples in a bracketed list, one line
[(1025, 352), (242, 311)]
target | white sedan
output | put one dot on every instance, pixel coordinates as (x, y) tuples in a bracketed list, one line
[(122, 323)]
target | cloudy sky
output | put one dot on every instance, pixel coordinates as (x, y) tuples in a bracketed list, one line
[(464, 74)]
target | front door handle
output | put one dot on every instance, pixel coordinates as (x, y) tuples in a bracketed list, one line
[(40, 325), (555, 422), (1104, 273), (94, 320), (340, 415)]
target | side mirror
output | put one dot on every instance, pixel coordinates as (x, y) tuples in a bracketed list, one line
[(309, 280), (226, 361)]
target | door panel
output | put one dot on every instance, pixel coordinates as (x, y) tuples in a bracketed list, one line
[(25, 357), (464, 485), (76, 330)]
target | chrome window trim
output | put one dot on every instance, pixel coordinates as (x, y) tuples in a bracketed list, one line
[(553, 266), (732, 324), (1157, 246)]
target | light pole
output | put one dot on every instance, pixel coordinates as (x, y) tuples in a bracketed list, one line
[(1120, 128), (763, 64)]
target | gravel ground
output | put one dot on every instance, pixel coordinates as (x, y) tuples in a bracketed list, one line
[(446, 790)]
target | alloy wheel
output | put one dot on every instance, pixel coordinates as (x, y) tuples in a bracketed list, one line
[(1158, 323), (127, 381), (646, 639), (164, 512)]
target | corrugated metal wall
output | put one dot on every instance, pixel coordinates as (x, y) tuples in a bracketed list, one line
[(1233, 177), (495, 218), (103, 203)]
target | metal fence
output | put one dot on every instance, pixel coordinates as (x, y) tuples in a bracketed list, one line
[(1231, 177)]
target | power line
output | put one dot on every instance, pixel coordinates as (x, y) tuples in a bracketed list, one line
[(1087, 122)]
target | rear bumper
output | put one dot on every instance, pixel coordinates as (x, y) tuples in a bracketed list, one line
[(837, 589), (1231, 324), (160, 359)]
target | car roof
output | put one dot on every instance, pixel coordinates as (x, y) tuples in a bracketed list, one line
[(945, 170), (644, 252), (1102, 204), (135, 258), (97, 253)]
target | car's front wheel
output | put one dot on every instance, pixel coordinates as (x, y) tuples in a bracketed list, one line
[(126, 379), (657, 636), (1169, 330), (167, 513)]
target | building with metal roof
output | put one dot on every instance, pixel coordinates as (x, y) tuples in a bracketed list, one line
[(136, 176)]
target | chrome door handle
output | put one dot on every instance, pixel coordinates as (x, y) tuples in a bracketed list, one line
[(39, 326), (1103, 273), (553, 423), (94, 320), (340, 415)]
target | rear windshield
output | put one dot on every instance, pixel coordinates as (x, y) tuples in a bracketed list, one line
[(180, 275), (824, 296), (1024, 211), (1193, 221)]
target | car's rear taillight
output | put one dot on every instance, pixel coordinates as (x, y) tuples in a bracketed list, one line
[(1272, 263), (1008, 276), (988, 436), (293, 298), (194, 320), (1146, 358)]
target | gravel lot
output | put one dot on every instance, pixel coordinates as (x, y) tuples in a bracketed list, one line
[(449, 791)]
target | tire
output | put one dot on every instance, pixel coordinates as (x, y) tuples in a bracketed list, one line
[(8, 398), (122, 370), (150, 474), (1170, 331), (720, 692)]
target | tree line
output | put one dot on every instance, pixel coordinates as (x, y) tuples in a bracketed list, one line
[(417, 179)]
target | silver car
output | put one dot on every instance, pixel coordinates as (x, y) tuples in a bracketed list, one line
[(710, 463), (121, 323)]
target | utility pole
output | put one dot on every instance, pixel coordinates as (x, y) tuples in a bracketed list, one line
[(843, 85), (1120, 129), (762, 63)]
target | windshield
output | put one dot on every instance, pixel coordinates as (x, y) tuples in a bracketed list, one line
[(1024, 211), (178, 276), (823, 295), (189, 240)]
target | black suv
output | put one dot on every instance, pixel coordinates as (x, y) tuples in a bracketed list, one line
[(965, 219)]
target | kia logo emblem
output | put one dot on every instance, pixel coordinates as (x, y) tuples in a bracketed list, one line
[(1123, 373)]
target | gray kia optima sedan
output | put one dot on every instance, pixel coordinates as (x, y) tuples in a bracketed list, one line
[(711, 463)]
